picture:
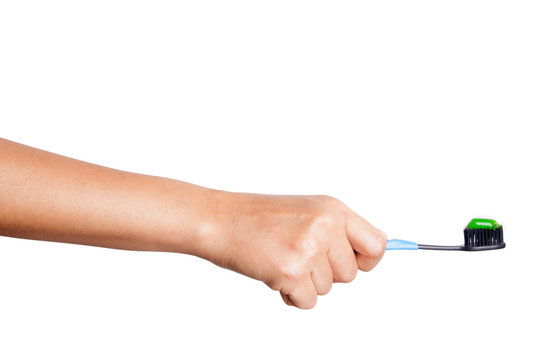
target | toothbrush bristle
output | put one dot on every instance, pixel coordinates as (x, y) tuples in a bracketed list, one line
[(482, 239)]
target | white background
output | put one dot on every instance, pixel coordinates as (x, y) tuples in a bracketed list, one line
[(416, 114)]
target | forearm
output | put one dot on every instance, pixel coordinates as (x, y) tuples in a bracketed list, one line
[(50, 197)]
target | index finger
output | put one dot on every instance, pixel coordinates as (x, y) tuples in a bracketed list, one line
[(368, 241)]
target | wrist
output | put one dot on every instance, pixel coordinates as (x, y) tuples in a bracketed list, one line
[(195, 225), (212, 225)]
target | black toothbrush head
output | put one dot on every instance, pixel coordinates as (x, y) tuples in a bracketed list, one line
[(483, 234)]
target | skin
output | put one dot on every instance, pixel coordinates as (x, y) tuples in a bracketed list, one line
[(297, 245)]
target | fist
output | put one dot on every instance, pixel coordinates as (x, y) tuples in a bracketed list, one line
[(297, 245)]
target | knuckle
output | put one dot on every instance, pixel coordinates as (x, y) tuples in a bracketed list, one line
[(309, 247), (325, 289), (293, 271), (324, 221), (378, 244), (348, 274), (329, 201), (308, 303), (326, 198), (366, 268)]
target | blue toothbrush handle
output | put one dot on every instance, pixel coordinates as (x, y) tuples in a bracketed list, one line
[(396, 244)]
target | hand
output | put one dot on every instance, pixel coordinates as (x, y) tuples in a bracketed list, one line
[(298, 245)]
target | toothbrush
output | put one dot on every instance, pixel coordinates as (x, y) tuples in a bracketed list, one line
[(480, 234)]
